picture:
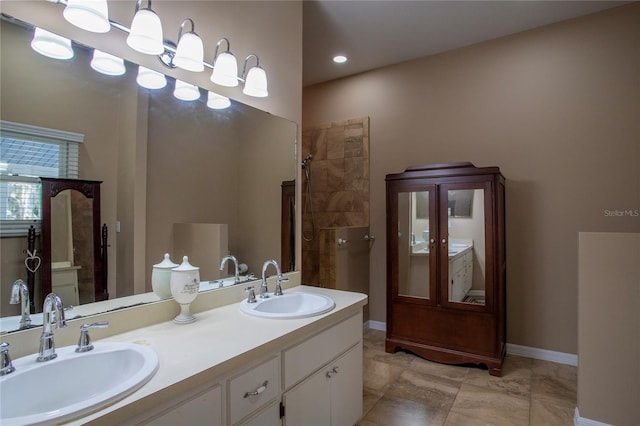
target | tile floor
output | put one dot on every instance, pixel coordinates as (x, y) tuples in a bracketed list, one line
[(403, 390)]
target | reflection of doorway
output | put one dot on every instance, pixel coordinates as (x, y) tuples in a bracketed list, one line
[(339, 185)]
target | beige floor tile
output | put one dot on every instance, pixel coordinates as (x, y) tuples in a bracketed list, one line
[(515, 379), (392, 411), (369, 399), (555, 380), (379, 375), (451, 372), (547, 410), (479, 406)]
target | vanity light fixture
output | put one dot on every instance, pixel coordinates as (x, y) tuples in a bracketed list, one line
[(225, 66), (190, 51), (146, 31), (185, 91), (146, 36), (150, 79), (52, 45), (106, 63), (216, 101), (90, 15), (255, 81)]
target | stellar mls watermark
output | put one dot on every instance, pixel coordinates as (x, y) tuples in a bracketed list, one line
[(622, 213)]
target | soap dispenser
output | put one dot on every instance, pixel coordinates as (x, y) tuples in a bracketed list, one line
[(185, 283), (161, 277)]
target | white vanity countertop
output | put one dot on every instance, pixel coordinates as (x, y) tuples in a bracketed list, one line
[(220, 340)]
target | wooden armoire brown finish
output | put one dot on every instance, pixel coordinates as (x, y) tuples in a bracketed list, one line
[(446, 266)]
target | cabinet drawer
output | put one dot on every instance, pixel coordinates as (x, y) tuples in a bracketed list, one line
[(241, 400), (303, 359)]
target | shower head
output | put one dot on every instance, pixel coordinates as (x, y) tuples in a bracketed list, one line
[(306, 160)]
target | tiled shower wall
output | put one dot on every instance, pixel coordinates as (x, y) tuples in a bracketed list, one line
[(339, 185)]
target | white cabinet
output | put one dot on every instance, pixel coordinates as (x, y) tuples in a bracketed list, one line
[(331, 396), (318, 381), (460, 275), (326, 374)]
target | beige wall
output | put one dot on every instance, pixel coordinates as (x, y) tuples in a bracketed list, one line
[(609, 327), (556, 108)]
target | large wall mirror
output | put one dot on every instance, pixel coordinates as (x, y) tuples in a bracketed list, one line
[(161, 161)]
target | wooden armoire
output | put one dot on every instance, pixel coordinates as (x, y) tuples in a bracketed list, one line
[(446, 266)]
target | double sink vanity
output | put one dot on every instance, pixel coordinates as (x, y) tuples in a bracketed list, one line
[(291, 359)]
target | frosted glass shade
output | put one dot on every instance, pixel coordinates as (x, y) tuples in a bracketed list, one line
[(256, 83), (146, 33), (150, 79), (107, 64), (189, 53), (216, 101), (90, 15), (185, 91), (51, 45), (225, 70)]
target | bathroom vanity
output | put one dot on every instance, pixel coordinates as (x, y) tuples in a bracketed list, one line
[(446, 269), (229, 368)]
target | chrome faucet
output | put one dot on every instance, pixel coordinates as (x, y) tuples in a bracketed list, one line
[(52, 313), (20, 294), (235, 263), (264, 291)]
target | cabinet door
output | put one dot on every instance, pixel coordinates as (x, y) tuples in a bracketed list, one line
[(346, 388), (465, 250), (413, 243), (309, 403)]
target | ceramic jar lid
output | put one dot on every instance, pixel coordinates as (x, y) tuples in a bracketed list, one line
[(166, 263), (185, 266)]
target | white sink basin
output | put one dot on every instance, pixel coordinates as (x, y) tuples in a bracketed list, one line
[(73, 384), (289, 306)]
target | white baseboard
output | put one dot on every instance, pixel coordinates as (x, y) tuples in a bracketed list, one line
[(376, 325), (526, 351), (543, 354), (581, 421)]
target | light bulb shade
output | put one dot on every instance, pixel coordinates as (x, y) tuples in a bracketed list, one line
[(185, 91), (189, 53), (150, 79), (216, 101), (106, 63), (90, 15), (256, 83), (146, 33), (225, 70), (51, 45)]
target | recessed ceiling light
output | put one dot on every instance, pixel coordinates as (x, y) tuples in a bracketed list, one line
[(339, 59)]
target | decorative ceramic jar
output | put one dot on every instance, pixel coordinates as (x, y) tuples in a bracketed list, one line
[(185, 283), (161, 277)]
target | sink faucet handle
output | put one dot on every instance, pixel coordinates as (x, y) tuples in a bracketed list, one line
[(84, 342), (252, 294), (279, 282), (7, 367)]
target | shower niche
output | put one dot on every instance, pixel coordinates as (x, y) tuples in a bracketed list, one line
[(446, 264)]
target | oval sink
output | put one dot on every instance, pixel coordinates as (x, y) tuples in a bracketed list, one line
[(289, 306), (73, 384)]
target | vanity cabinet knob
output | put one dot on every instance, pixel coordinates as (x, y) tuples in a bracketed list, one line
[(335, 370), (257, 391)]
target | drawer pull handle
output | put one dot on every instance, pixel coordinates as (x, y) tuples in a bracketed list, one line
[(257, 391)]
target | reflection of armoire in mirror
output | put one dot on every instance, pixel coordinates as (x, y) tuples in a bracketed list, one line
[(73, 246), (446, 270)]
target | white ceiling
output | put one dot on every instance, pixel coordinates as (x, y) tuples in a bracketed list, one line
[(373, 34)]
